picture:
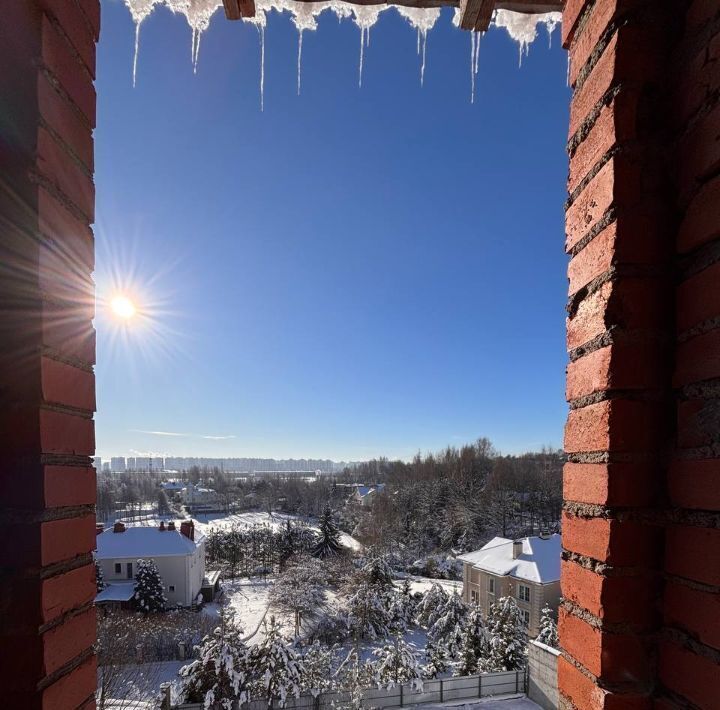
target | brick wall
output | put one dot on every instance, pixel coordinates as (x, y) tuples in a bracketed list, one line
[(641, 569), (47, 351)]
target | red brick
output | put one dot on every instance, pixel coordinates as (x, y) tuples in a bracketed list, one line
[(614, 425), (69, 331), (586, 695), (71, 690), (698, 358), (68, 640), (572, 12), (59, 114), (615, 657), (617, 599), (623, 544), (67, 538), (625, 484), (594, 260), (58, 57), (54, 162), (695, 484), (76, 25), (67, 385), (589, 319), (699, 151), (69, 486), (71, 239), (693, 553), (91, 8), (695, 611), (698, 298), (65, 592), (62, 433), (698, 423), (690, 675), (589, 207), (588, 374), (701, 223)]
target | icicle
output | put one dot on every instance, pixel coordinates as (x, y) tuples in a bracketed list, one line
[(299, 60), (424, 51), (362, 54), (137, 48), (474, 62), (198, 35), (261, 29), (418, 41)]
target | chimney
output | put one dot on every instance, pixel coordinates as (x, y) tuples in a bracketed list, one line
[(517, 548), (119, 527), (162, 526), (171, 525), (187, 528), (99, 528)]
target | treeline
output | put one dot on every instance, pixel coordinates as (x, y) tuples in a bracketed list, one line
[(458, 498)]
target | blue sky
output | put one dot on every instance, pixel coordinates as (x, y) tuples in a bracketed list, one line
[(350, 273)]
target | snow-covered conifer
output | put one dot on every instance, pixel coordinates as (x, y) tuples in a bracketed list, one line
[(436, 661), (99, 577), (328, 539), (377, 570), (149, 590), (431, 605), (507, 635), (548, 628), (316, 664), (396, 664), (220, 675), (474, 647), (276, 667), (450, 623), (367, 612)]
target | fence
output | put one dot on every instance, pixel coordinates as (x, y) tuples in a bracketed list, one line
[(433, 691)]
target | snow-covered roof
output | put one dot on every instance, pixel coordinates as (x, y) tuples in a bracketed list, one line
[(144, 541), (364, 490), (539, 561), (116, 592)]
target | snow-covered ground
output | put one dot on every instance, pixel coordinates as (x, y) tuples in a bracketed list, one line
[(509, 702), (276, 521), (422, 584)]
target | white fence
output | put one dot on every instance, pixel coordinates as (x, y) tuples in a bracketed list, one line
[(433, 691)]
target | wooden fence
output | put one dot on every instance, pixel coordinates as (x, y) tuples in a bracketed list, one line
[(433, 691)]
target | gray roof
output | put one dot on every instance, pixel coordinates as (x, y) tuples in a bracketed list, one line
[(144, 541)]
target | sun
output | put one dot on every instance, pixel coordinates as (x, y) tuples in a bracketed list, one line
[(122, 307)]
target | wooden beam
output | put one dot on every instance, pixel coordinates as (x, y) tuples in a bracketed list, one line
[(236, 9), (476, 14)]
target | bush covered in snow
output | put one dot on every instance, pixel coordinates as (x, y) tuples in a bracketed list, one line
[(508, 636), (548, 628), (149, 589)]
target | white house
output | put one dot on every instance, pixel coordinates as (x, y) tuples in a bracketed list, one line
[(363, 495), (527, 569), (178, 553), (200, 499)]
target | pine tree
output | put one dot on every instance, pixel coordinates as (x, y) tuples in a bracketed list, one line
[(367, 612), (507, 634), (317, 663), (474, 647), (276, 667), (99, 577), (149, 591), (328, 539), (397, 664), (377, 570), (431, 605), (548, 628), (221, 672), (435, 661), (450, 623)]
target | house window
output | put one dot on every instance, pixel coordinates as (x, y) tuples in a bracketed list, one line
[(524, 593), (474, 597), (171, 588), (491, 585), (129, 570), (525, 617), (118, 568)]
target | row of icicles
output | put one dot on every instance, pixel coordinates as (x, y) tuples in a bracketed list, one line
[(521, 27)]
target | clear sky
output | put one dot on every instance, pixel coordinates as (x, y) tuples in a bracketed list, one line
[(350, 273)]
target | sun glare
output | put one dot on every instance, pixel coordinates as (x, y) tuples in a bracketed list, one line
[(122, 307)]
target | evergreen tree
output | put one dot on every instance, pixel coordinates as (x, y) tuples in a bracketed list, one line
[(507, 635), (548, 628), (276, 667), (317, 663), (450, 623), (149, 591), (435, 661), (99, 577), (328, 539), (377, 570), (474, 647), (397, 664), (368, 614), (221, 672), (431, 604)]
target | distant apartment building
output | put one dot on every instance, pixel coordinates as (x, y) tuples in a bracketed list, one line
[(97, 463), (118, 464), (178, 554), (527, 569)]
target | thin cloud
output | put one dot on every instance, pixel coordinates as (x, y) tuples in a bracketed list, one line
[(217, 438), (159, 433)]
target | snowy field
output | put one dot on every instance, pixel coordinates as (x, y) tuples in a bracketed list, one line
[(276, 521)]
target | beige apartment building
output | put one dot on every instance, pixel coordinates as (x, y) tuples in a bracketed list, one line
[(527, 569)]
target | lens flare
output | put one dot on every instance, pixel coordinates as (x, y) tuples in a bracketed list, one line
[(123, 307)]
